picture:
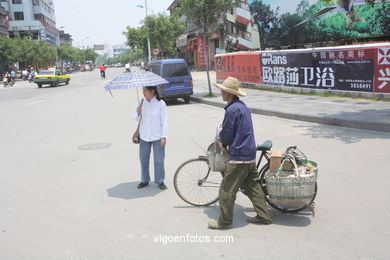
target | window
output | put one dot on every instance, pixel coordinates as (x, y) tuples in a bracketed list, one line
[(17, 2), (155, 68), (18, 16), (174, 70)]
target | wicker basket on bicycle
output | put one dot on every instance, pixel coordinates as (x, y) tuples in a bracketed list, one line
[(292, 187)]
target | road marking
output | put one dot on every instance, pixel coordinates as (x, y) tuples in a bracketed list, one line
[(58, 96), (35, 102)]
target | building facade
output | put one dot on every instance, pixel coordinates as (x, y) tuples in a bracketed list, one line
[(34, 19), (65, 39), (235, 30), (3, 22)]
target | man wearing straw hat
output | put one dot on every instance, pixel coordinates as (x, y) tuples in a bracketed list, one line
[(237, 134)]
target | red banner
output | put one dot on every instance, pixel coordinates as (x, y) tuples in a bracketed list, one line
[(244, 66), (202, 52)]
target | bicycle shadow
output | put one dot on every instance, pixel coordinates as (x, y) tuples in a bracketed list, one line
[(128, 191)]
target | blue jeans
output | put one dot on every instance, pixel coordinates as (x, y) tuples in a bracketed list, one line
[(158, 156)]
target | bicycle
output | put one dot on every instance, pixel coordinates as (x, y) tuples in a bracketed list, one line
[(196, 184)]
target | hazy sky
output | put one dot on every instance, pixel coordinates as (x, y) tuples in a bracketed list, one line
[(103, 21)]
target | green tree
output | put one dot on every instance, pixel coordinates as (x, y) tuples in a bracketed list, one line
[(267, 20), (8, 51), (205, 13), (163, 32), (90, 54)]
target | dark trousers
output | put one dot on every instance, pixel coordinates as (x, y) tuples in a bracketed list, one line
[(244, 176)]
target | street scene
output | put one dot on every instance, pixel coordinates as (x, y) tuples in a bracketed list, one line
[(79, 124)]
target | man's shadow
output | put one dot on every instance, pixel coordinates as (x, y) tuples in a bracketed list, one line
[(298, 219), (128, 191)]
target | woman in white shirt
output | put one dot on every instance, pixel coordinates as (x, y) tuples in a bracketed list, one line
[(153, 133)]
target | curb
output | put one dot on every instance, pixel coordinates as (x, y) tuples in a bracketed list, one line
[(374, 126)]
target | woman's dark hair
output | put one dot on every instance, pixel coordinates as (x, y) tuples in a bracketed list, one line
[(154, 89)]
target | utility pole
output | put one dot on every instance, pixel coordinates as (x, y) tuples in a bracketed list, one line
[(146, 12)]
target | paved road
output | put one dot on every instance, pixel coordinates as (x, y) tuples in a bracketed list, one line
[(69, 174)]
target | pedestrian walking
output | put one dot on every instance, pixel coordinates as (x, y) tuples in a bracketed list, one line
[(13, 76), (153, 132), (237, 134)]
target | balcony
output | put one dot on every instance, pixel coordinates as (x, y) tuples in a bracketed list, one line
[(243, 16), (241, 42)]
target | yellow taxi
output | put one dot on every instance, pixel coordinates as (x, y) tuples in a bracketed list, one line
[(51, 77)]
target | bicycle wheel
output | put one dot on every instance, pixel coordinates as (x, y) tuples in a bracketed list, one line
[(196, 184), (263, 185)]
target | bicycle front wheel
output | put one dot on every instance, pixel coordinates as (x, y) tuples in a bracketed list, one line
[(263, 185), (196, 183)]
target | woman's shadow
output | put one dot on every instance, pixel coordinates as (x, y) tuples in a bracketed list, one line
[(128, 191)]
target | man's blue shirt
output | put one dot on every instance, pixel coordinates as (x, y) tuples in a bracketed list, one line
[(237, 132)]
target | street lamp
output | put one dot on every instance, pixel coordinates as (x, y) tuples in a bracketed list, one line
[(82, 44), (146, 15)]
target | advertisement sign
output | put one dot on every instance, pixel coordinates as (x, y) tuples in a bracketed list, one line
[(364, 68), (243, 66), (382, 73), (202, 52), (343, 69), (294, 22)]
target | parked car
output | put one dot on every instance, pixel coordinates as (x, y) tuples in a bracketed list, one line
[(51, 77), (179, 76)]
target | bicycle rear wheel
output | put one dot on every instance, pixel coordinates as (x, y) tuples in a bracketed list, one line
[(196, 184), (263, 185)]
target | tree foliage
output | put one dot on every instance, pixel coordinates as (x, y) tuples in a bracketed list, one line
[(163, 31), (27, 52)]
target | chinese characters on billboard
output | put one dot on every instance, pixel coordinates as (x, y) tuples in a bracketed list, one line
[(243, 66), (365, 69)]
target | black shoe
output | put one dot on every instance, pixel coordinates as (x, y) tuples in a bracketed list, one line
[(142, 184), (162, 186)]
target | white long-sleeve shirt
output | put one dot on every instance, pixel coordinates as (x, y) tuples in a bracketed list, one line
[(154, 122)]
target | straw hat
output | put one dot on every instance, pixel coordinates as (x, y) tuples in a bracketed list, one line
[(232, 86)]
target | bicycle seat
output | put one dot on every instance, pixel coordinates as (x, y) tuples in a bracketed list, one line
[(266, 146)]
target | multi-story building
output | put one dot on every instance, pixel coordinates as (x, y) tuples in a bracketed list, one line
[(235, 28), (65, 39), (32, 18), (3, 22)]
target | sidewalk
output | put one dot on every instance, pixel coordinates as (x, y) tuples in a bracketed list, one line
[(346, 112)]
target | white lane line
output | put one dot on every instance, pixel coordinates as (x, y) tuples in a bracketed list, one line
[(58, 96), (35, 102)]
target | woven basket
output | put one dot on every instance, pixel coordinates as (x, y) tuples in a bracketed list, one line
[(292, 188)]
